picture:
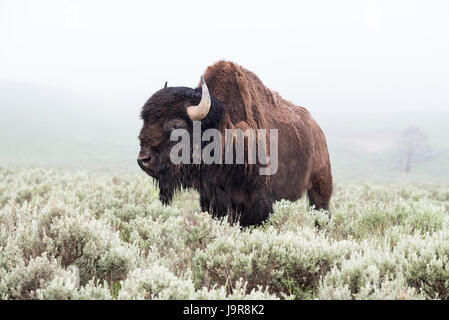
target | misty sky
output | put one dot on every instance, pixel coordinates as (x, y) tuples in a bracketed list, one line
[(320, 54)]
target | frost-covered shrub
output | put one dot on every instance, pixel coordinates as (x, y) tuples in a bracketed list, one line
[(381, 242), (362, 274), (239, 292), (289, 263), (90, 245), (415, 267), (62, 288), (395, 289), (24, 279), (156, 282), (426, 263), (175, 240)]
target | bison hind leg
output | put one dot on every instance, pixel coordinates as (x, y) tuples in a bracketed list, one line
[(321, 190)]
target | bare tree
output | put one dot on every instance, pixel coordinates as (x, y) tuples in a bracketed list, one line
[(413, 148)]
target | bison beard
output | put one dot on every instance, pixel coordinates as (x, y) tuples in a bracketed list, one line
[(239, 100), (167, 187)]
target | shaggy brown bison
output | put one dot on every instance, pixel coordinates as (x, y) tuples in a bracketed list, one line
[(231, 97)]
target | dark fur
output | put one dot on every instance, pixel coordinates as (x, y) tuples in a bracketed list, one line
[(239, 100)]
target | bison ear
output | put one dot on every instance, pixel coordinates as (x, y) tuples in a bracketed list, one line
[(172, 124), (165, 86)]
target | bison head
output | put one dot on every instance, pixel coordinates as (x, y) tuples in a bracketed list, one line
[(168, 109)]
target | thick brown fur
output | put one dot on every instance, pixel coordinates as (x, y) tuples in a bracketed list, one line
[(239, 101)]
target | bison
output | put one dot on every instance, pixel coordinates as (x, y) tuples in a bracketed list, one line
[(231, 97)]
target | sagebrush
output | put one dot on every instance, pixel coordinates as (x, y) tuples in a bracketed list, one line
[(382, 242)]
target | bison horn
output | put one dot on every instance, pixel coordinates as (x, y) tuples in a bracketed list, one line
[(165, 86), (200, 111)]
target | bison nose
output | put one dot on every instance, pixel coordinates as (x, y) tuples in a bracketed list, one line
[(144, 162)]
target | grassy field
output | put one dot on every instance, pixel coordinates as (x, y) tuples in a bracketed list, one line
[(384, 241)]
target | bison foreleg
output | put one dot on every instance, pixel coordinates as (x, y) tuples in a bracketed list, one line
[(320, 192)]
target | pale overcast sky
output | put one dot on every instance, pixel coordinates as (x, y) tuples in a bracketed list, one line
[(327, 54)]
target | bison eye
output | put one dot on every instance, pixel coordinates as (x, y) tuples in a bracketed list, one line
[(174, 124), (155, 150)]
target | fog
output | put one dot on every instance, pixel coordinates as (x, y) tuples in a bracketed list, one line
[(365, 70)]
